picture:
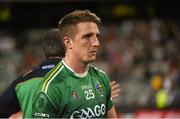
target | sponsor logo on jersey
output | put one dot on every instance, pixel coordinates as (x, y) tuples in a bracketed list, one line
[(74, 96), (48, 66), (96, 111), (99, 88), (41, 115), (85, 87)]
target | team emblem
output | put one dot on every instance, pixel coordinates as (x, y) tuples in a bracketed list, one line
[(99, 88), (41, 101), (74, 96)]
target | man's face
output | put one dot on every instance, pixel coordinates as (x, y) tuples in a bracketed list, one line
[(86, 42)]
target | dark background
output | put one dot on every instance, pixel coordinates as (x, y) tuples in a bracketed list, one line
[(23, 14)]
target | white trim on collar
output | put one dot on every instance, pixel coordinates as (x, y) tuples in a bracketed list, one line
[(76, 74)]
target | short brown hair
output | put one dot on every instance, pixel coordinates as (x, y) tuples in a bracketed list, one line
[(67, 23)]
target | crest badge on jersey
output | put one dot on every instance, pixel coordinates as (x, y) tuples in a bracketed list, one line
[(99, 88), (74, 95), (41, 101)]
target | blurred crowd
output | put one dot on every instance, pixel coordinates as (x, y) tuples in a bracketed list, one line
[(142, 55)]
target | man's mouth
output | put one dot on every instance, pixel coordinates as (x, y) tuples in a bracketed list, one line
[(93, 52)]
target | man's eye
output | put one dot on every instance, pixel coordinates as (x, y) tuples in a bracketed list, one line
[(98, 36), (87, 36)]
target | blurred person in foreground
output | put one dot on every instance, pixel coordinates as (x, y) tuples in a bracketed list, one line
[(75, 88), (16, 98), (10, 100)]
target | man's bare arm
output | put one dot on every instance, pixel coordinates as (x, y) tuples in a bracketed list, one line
[(111, 113)]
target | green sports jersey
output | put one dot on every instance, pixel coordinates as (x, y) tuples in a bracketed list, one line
[(66, 94), (25, 92)]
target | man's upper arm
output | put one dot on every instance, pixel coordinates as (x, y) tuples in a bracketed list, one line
[(111, 113), (43, 107), (109, 102)]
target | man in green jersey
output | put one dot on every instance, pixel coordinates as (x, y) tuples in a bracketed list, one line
[(24, 87), (19, 95), (74, 88), (22, 90)]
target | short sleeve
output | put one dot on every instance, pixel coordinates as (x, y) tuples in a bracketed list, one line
[(43, 107), (109, 101)]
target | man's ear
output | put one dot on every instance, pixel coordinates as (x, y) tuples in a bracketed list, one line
[(67, 42)]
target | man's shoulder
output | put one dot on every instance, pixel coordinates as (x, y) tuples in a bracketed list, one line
[(52, 78), (39, 70), (97, 70), (54, 72), (102, 76), (34, 72), (29, 84), (28, 75)]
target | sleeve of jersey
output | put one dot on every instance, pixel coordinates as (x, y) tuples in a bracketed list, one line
[(43, 107), (50, 103), (109, 101)]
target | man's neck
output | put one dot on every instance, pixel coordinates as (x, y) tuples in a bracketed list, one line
[(77, 66)]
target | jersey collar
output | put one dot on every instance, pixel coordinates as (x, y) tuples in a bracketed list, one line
[(76, 74)]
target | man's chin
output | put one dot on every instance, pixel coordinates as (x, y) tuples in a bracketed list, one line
[(92, 59)]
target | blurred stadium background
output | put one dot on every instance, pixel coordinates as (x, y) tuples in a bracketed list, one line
[(140, 42)]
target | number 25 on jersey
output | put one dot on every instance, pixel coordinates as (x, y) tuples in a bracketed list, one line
[(89, 94)]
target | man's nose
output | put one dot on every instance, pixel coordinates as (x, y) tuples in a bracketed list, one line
[(95, 42)]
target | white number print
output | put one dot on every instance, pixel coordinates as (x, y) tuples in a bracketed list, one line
[(89, 94)]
